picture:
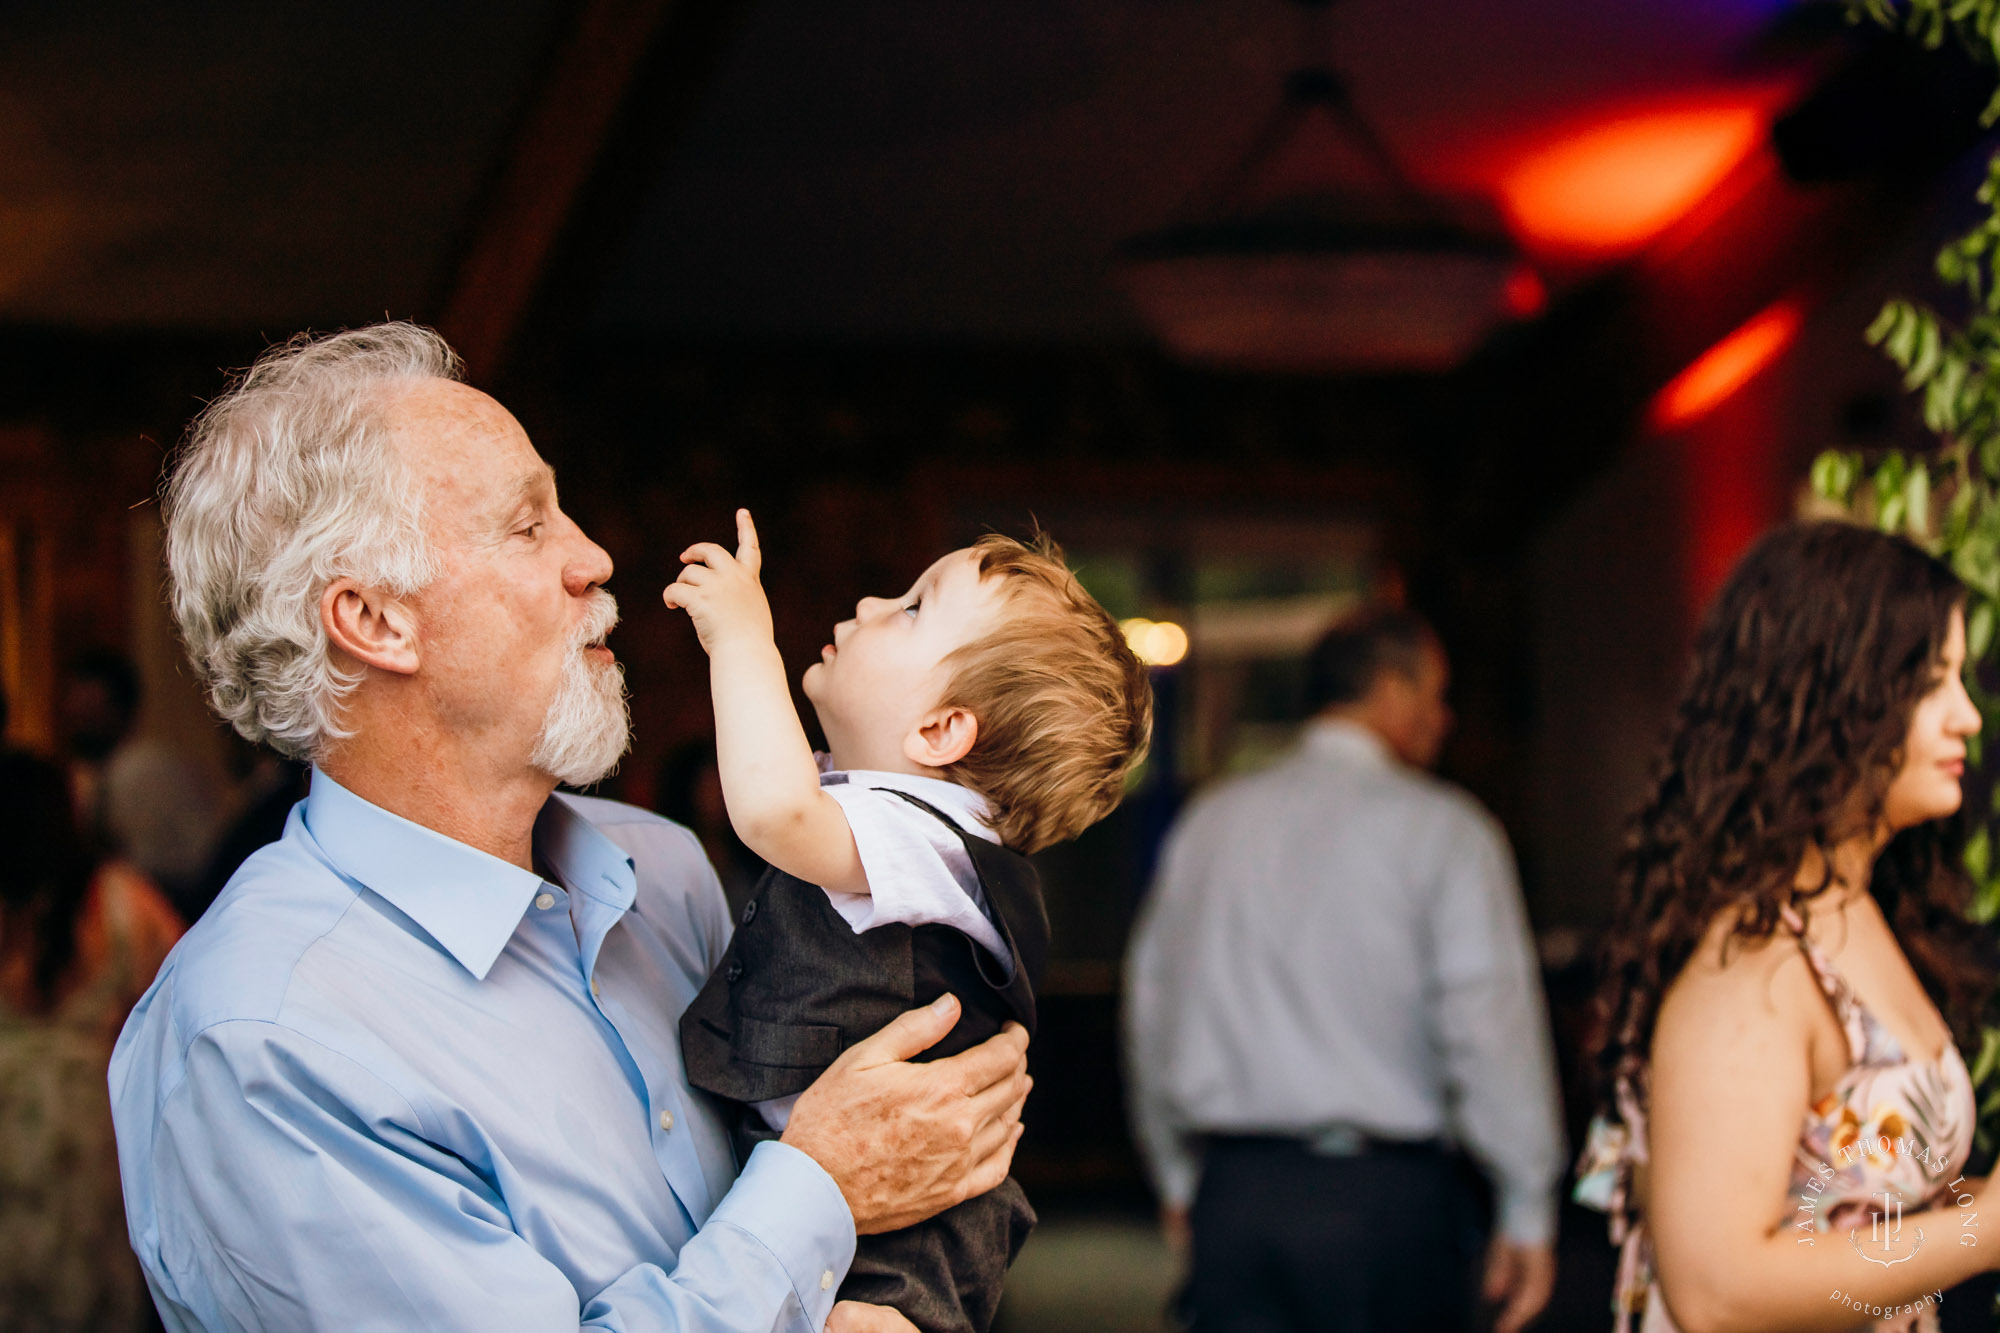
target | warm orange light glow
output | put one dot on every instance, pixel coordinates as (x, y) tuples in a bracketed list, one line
[(1609, 189), (1727, 366)]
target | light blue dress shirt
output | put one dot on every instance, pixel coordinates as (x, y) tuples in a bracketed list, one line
[(1337, 944), (391, 1082)]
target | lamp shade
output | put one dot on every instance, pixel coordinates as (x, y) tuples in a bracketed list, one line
[(1308, 290)]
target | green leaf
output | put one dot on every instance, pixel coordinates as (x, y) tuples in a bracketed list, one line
[(1917, 500), (1942, 394), (1900, 342), (1979, 633), (1989, 1056), (1884, 322), (1834, 473), (1930, 346), (1958, 518)]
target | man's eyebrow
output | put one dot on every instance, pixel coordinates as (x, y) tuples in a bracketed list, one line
[(535, 484)]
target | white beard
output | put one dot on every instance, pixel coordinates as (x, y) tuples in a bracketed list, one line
[(589, 725)]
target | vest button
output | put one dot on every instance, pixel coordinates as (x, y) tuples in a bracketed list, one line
[(734, 971), (749, 911)]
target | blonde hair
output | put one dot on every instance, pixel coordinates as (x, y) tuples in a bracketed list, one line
[(1065, 707)]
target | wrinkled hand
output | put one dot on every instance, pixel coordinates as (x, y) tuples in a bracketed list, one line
[(906, 1141), (721, 593), (1522, 1277), (854, 1317)]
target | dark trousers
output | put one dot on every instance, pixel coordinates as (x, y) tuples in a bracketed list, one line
[(1290, 1241)]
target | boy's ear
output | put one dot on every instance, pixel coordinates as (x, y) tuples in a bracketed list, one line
[(370, 626), (944, 737)]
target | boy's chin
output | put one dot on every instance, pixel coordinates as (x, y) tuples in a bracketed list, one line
[(809, 683)]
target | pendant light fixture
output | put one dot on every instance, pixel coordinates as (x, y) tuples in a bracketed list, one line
[(1326, 276)]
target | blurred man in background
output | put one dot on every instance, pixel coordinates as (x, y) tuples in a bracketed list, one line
[(1331, 992)]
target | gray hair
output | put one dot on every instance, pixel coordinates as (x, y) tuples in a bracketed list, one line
[(286, 483)]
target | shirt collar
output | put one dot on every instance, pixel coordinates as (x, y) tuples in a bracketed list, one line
[(1340, 739), (465, 899), (963, 804)]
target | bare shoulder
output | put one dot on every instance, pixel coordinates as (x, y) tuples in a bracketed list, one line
[(1759, 987)]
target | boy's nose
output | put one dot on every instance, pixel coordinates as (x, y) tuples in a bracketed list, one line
[(863, 607)]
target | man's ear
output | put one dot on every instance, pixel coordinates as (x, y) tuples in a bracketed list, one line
[(944, 737), (370, 626)]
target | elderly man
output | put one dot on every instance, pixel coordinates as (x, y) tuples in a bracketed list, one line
[(417, 1068), (1330, 989)]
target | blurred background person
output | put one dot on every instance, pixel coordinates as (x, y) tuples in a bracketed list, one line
[(80, 940), (1790, 946), (1331, 989), (134, 795)]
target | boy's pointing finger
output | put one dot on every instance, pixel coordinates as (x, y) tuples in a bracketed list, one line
[(748, 552)]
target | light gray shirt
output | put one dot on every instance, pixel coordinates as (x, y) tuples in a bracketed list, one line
[(1338, 943)]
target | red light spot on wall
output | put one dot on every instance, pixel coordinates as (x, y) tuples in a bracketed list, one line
[(1727, 366), (1608, 189), (1524, 294)]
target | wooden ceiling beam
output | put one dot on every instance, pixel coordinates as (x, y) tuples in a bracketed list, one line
[(556, 148)]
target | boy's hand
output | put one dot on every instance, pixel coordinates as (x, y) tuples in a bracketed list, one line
[(720, 591)]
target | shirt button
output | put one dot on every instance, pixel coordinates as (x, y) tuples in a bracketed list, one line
[(546, 901), (826, 1280), (666, 1120), (749, 911), (734, 970)]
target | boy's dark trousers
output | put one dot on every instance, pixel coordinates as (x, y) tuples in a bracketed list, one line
[(797, 987), (945, 1273)]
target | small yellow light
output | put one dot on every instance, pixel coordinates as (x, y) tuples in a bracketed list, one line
[(1166, 644), (1156, 643)]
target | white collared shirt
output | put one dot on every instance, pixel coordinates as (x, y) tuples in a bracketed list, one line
[(918, 871), (1339, 941)]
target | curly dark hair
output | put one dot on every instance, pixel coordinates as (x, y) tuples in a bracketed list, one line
[(1789, 729), (47, 879)]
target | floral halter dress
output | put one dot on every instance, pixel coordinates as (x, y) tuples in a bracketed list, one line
[(1892, 1123)]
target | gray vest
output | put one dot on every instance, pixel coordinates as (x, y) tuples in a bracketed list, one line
[(798, 986)]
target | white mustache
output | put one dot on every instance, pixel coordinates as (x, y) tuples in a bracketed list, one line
[(600, 618)]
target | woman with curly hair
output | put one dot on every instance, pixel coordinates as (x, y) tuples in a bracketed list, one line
[(79, 942), (1787, 1115)]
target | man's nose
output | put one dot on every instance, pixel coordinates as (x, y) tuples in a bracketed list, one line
[(589, 566)]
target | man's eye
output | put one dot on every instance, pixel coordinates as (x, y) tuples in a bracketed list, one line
[(530, 531)]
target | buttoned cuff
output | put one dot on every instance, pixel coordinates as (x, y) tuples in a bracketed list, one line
[(1527, 1218), (791, 1205)]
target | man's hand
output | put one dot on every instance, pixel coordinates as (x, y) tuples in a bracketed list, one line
[(720, 591), (1174, 1225), (906, 1141), (854, 1317), (1521, 1276)]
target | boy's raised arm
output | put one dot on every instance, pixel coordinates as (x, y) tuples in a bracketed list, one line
[(769, 779)]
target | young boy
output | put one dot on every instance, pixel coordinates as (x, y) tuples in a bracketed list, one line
[(991, 711)]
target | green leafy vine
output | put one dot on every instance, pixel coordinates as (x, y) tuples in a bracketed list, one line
[(1948, 498)]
